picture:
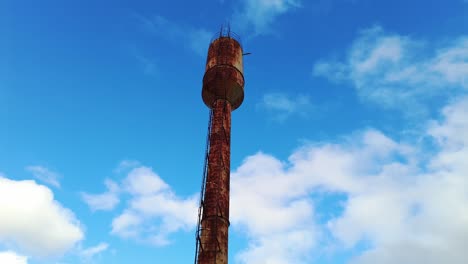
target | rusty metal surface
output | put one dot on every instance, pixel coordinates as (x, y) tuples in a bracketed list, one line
[(215, 217), (223, 92), (224, 77), (225, 51)]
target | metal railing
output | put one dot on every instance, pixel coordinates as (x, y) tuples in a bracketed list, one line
[(225, 32)]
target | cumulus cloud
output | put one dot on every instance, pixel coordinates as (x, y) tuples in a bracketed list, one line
[(9, 257), (408, 209), (32, 220), (272, 200), (282, 106), (153, 211), (260, 14), (104, 201), (398, 71), (143, 181), (279, 221), (45, 175)]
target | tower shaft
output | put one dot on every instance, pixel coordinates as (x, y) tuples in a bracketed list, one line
[(215, 219)]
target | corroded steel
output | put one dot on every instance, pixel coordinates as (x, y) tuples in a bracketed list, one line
[(224, 77), (215, 218), (223, 92)]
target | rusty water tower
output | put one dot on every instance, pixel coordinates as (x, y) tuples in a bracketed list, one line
[(222, 92)]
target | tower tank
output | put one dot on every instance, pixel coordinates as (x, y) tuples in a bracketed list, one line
[(224, 74)]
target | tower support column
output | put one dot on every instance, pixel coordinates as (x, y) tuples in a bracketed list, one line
[(215, 219)]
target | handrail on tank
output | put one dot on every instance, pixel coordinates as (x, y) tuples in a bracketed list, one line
[(225, 32)]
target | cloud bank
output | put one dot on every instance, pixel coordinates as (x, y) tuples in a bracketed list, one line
[(410, 210), (32, 220)]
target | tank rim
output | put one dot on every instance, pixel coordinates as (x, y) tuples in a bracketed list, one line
[(226, 33)]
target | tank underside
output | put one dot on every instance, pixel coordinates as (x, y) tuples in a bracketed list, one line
[(223, 82)]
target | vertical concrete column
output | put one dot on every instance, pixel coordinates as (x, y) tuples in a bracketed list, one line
[(215, 219)]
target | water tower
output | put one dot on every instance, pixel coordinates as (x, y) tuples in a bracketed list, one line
[(222, 92)]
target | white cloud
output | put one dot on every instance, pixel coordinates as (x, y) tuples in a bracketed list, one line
[(283, 106), (105, 201), (143, 181), (452, 62), (45, 175), (154, 212), (408, 209), (33, 221), (398, 71), (89, 253), (278, 217), (260, 14), (9, 257), (277, 248), (198, 39), (126, 225)]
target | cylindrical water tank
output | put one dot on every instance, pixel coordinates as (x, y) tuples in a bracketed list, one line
[(224, 77)]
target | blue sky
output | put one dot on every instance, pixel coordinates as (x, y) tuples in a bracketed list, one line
[(350, 146)]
